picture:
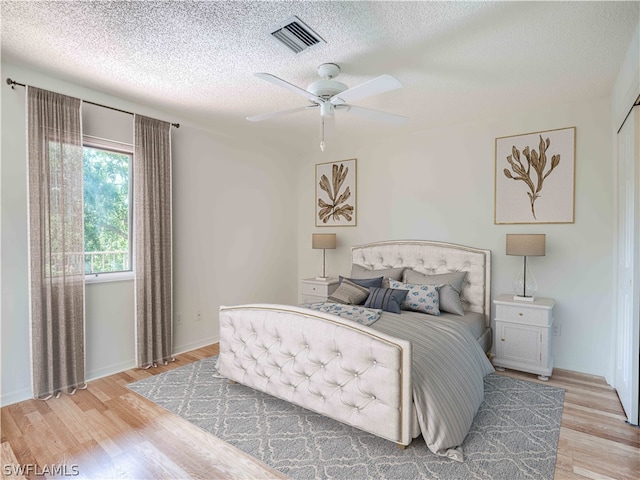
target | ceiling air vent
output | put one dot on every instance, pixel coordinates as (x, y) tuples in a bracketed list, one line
[(294, 34)]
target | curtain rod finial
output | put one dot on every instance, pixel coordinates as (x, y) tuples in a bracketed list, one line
[(10, 82)]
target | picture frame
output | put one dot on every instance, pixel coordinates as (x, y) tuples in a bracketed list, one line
[(335, 194), (535, 177)]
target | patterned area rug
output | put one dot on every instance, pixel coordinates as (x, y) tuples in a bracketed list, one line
[(514, 435)]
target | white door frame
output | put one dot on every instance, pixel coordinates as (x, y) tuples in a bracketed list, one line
[(627, 325)]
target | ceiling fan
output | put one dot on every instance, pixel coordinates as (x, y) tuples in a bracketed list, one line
[(329, 95)]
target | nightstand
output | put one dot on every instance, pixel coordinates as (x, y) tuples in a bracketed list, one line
[(523, 335), (314, 290)]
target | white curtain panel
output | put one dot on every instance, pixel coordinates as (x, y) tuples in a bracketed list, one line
[(56, 242), (152, 243)]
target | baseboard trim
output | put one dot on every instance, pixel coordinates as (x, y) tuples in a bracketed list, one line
[(110, 370), (203, 342), (124, 366), (15, 397)]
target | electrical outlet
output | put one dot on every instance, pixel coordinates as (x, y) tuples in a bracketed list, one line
[(557, 331), (178, 318), (198, 316)]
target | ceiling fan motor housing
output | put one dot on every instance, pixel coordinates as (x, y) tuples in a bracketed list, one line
[(326, 88)]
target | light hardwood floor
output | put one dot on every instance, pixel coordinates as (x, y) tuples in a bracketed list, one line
[(107, 431)]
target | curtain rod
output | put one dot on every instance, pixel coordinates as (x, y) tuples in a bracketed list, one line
[(13, 83)]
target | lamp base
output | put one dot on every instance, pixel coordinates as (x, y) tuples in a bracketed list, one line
[(520, 298), (323, 279)]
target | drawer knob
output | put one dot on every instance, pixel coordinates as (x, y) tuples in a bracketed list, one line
[(502, 339), (520, 313)]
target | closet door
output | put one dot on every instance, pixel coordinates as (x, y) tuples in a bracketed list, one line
[(627, 376)]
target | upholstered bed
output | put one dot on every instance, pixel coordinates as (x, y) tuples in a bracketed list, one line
[(394, 375)]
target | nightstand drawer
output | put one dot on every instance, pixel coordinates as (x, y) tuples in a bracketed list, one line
[(524, 314), (315, 289)]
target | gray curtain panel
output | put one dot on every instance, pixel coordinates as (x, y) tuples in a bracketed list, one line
[(56, 242), (152, 243)]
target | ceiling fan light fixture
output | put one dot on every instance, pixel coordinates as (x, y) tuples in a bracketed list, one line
[(326, 109)]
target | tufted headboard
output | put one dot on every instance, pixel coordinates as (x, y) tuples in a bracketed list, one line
[(431, 258)]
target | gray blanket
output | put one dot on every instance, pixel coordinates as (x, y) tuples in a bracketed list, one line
[(447, 372)]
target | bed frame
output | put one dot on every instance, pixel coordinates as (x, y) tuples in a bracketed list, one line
[(435, 258), (338, 368)]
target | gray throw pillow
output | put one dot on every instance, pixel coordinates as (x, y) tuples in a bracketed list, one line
[(358, 271), (450, 291), (349, 293), (364, 282), (387, 299)]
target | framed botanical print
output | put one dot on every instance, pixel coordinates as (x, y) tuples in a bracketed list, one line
[(336, 193), (535, 177)]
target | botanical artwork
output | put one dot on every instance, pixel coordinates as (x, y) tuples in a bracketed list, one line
[(535, 177), (336, 193)]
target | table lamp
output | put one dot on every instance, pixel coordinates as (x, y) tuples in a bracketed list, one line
[(525, 245), (323, 241)]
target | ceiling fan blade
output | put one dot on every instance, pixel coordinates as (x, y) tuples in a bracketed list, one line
[(390, 118), (266, 116), (289, 86), (381, 84)]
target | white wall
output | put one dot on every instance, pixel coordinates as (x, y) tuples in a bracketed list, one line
[(234, 236), (439, 185), (627, 86), (233, 228)]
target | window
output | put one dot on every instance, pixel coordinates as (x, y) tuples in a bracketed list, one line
[(107, 207)]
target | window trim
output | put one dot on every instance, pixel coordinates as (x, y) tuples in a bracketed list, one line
[(106, 277), (105, 144), (91, 141)]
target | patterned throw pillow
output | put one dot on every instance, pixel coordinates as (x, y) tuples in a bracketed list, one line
[(420, 298), (449, 293), (387, 299), (349, 293)]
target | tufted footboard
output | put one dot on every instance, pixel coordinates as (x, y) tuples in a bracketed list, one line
[(321, 362)]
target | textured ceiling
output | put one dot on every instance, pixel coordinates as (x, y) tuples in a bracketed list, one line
[(458, 61)]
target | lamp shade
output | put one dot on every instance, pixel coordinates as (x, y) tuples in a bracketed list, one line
[(323, 241), (527, 245)]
